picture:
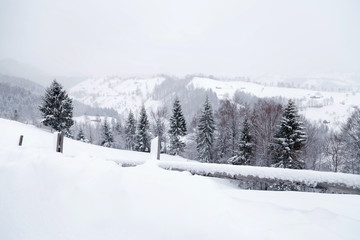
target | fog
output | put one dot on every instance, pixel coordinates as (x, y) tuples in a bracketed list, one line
[(228, 38)]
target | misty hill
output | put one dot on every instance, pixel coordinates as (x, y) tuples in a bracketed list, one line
[(321, 82), (13, 68), (31, 86)]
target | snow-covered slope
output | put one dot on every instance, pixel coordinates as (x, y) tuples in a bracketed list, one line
[(333, 107), (79, 195), (122, 95)]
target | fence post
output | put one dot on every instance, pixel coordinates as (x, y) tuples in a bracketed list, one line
[(60, 142), (21, 140), (159, 148)]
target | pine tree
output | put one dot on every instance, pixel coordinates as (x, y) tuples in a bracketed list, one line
[(81, 136), (57, 108), (205, 133), (177, 129), (289, 140), (107, 136), (130, 132), (142, 135), (246, 151)]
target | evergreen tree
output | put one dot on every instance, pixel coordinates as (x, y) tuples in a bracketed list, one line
[(142, 135), (177, 129), (81, 136), (245, 152), (57, 108), (289, 140), (205, 133), (130, 132), (107, 136)]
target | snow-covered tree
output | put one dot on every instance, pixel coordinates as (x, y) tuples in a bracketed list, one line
[(107, 138), (289, 140), (245, 151), (57, 108), (205, 133), (81, 136), (177, 129), (130, 132), (142, 134)]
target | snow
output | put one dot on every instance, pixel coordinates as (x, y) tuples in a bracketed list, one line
[(80, 195)]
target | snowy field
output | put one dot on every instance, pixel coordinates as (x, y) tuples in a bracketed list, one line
[(80, 195)]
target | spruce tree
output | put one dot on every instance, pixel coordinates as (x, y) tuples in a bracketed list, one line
[(57, 108), (81, 136), (289, 140), (177, 129), (107, 138), (130, 132), (245, 151), (205, 133), (142, 135)]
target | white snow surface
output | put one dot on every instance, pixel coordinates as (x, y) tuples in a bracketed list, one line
[(80, 195)]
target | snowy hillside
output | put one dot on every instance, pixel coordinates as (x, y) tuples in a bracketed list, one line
[(333, 107), (80, 195), (126, 94), (329, 82), (121, 94)]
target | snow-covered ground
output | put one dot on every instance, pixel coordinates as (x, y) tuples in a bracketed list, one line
[(80, 195)]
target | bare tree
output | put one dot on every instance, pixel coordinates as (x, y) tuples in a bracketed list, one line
[(158, 124), (264, 119), (351, 136), (227, 118), (334, 149), (313, 153)]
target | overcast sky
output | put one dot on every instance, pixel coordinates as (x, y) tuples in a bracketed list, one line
[(84, 37)]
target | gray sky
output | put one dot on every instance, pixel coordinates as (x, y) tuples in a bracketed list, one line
[(84, 37)]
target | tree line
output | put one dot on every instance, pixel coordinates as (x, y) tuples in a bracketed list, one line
[(257, 133)]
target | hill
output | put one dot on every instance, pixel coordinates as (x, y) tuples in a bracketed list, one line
[(14, 68), (331, 107)]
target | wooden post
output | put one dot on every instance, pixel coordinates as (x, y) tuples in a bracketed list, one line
[(60, 142), (21, 140), (159, 148)]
